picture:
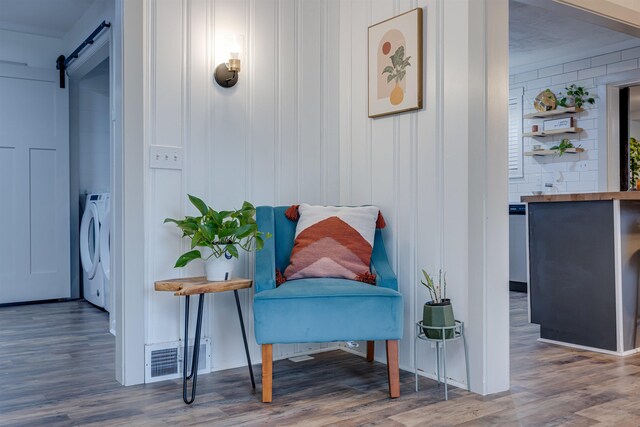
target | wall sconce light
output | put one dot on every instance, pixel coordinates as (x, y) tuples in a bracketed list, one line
[(226, 74)]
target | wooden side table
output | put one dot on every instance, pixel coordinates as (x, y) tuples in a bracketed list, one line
[(200, 286)]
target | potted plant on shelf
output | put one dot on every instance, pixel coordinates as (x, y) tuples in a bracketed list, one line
[(438, 312), (634, 164), (576, 96), (561, 148), (216, 236)]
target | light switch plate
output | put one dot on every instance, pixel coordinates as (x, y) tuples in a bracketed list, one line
[(165, 157)]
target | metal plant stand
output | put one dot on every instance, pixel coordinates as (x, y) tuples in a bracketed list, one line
[(441, 347)]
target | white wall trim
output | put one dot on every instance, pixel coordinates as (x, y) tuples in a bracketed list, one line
[(617, 242), (129, 273), (487, 190), (608, 135), (609, 127), (596, 350)]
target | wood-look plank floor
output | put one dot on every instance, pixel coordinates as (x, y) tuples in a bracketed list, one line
[(57, 362)]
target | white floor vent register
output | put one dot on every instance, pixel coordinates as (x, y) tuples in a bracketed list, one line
[(164, 361)]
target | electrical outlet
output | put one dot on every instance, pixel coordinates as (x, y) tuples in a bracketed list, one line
[(582, 166), (164, 157)]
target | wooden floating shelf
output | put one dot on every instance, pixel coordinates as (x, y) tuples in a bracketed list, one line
[(553, 152), (552, 113), (542, 134)]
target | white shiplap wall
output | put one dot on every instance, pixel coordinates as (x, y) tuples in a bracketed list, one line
[(430, 172), (272, 139)]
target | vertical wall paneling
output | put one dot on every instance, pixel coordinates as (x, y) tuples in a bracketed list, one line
[(416, 167), (287, 84), (324, 98), (346, 83), (205, 146), (429, 180), (229, 141), (192, 43), (359, 105), (166, 123), (299, 33), (271, 139)]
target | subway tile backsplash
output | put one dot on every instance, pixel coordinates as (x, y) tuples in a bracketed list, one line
[(571, 173)]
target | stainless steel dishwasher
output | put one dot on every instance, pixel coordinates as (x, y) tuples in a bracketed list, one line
[(518, 247)]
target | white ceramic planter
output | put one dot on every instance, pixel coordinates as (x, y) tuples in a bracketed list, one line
[(218, 269), (571, 101)]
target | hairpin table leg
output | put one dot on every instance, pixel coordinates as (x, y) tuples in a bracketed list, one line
[(244, 337), (196, 350)]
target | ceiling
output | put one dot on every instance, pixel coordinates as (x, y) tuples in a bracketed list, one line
[(538, 36), (53, 18), (535, 34)]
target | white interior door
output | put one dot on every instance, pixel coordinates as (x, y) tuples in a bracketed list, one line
[(34, 185)]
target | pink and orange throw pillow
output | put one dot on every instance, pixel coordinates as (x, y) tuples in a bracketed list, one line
[(333, 241)]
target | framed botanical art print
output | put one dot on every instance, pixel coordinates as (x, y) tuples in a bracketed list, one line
[(395, 64)]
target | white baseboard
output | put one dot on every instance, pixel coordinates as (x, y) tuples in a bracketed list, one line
[(243, 362), (596, 350), (409, 369)]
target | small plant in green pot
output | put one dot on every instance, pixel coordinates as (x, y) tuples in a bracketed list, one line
[(634, 163), (438, 312), (217, 235)]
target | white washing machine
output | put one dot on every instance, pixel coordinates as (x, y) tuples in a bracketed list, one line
[(95, 212), (105, 254)]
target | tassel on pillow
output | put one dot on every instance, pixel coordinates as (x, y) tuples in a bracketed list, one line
[(366, 277), (280, 279), (292, 213), (380, 221)]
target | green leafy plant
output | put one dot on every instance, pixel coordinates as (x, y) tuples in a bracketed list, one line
[(222, 232), (634, 162), (580, 95), (561, 148), (398, 64), (437, 291)]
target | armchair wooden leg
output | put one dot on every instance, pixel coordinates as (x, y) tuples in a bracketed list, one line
[(371, 347), (392, 368), (267, 372)]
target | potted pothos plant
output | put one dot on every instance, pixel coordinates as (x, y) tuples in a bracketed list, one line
[(576, 96), (561, 148), (438, 312), (216, 237)]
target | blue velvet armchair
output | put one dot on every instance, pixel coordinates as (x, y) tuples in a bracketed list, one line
[(321, 310)]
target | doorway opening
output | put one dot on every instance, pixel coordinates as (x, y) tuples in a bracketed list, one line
[(59, 162), (91, 163), (568, 74)]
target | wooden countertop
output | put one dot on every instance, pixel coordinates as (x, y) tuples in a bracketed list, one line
[(583, 197)]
